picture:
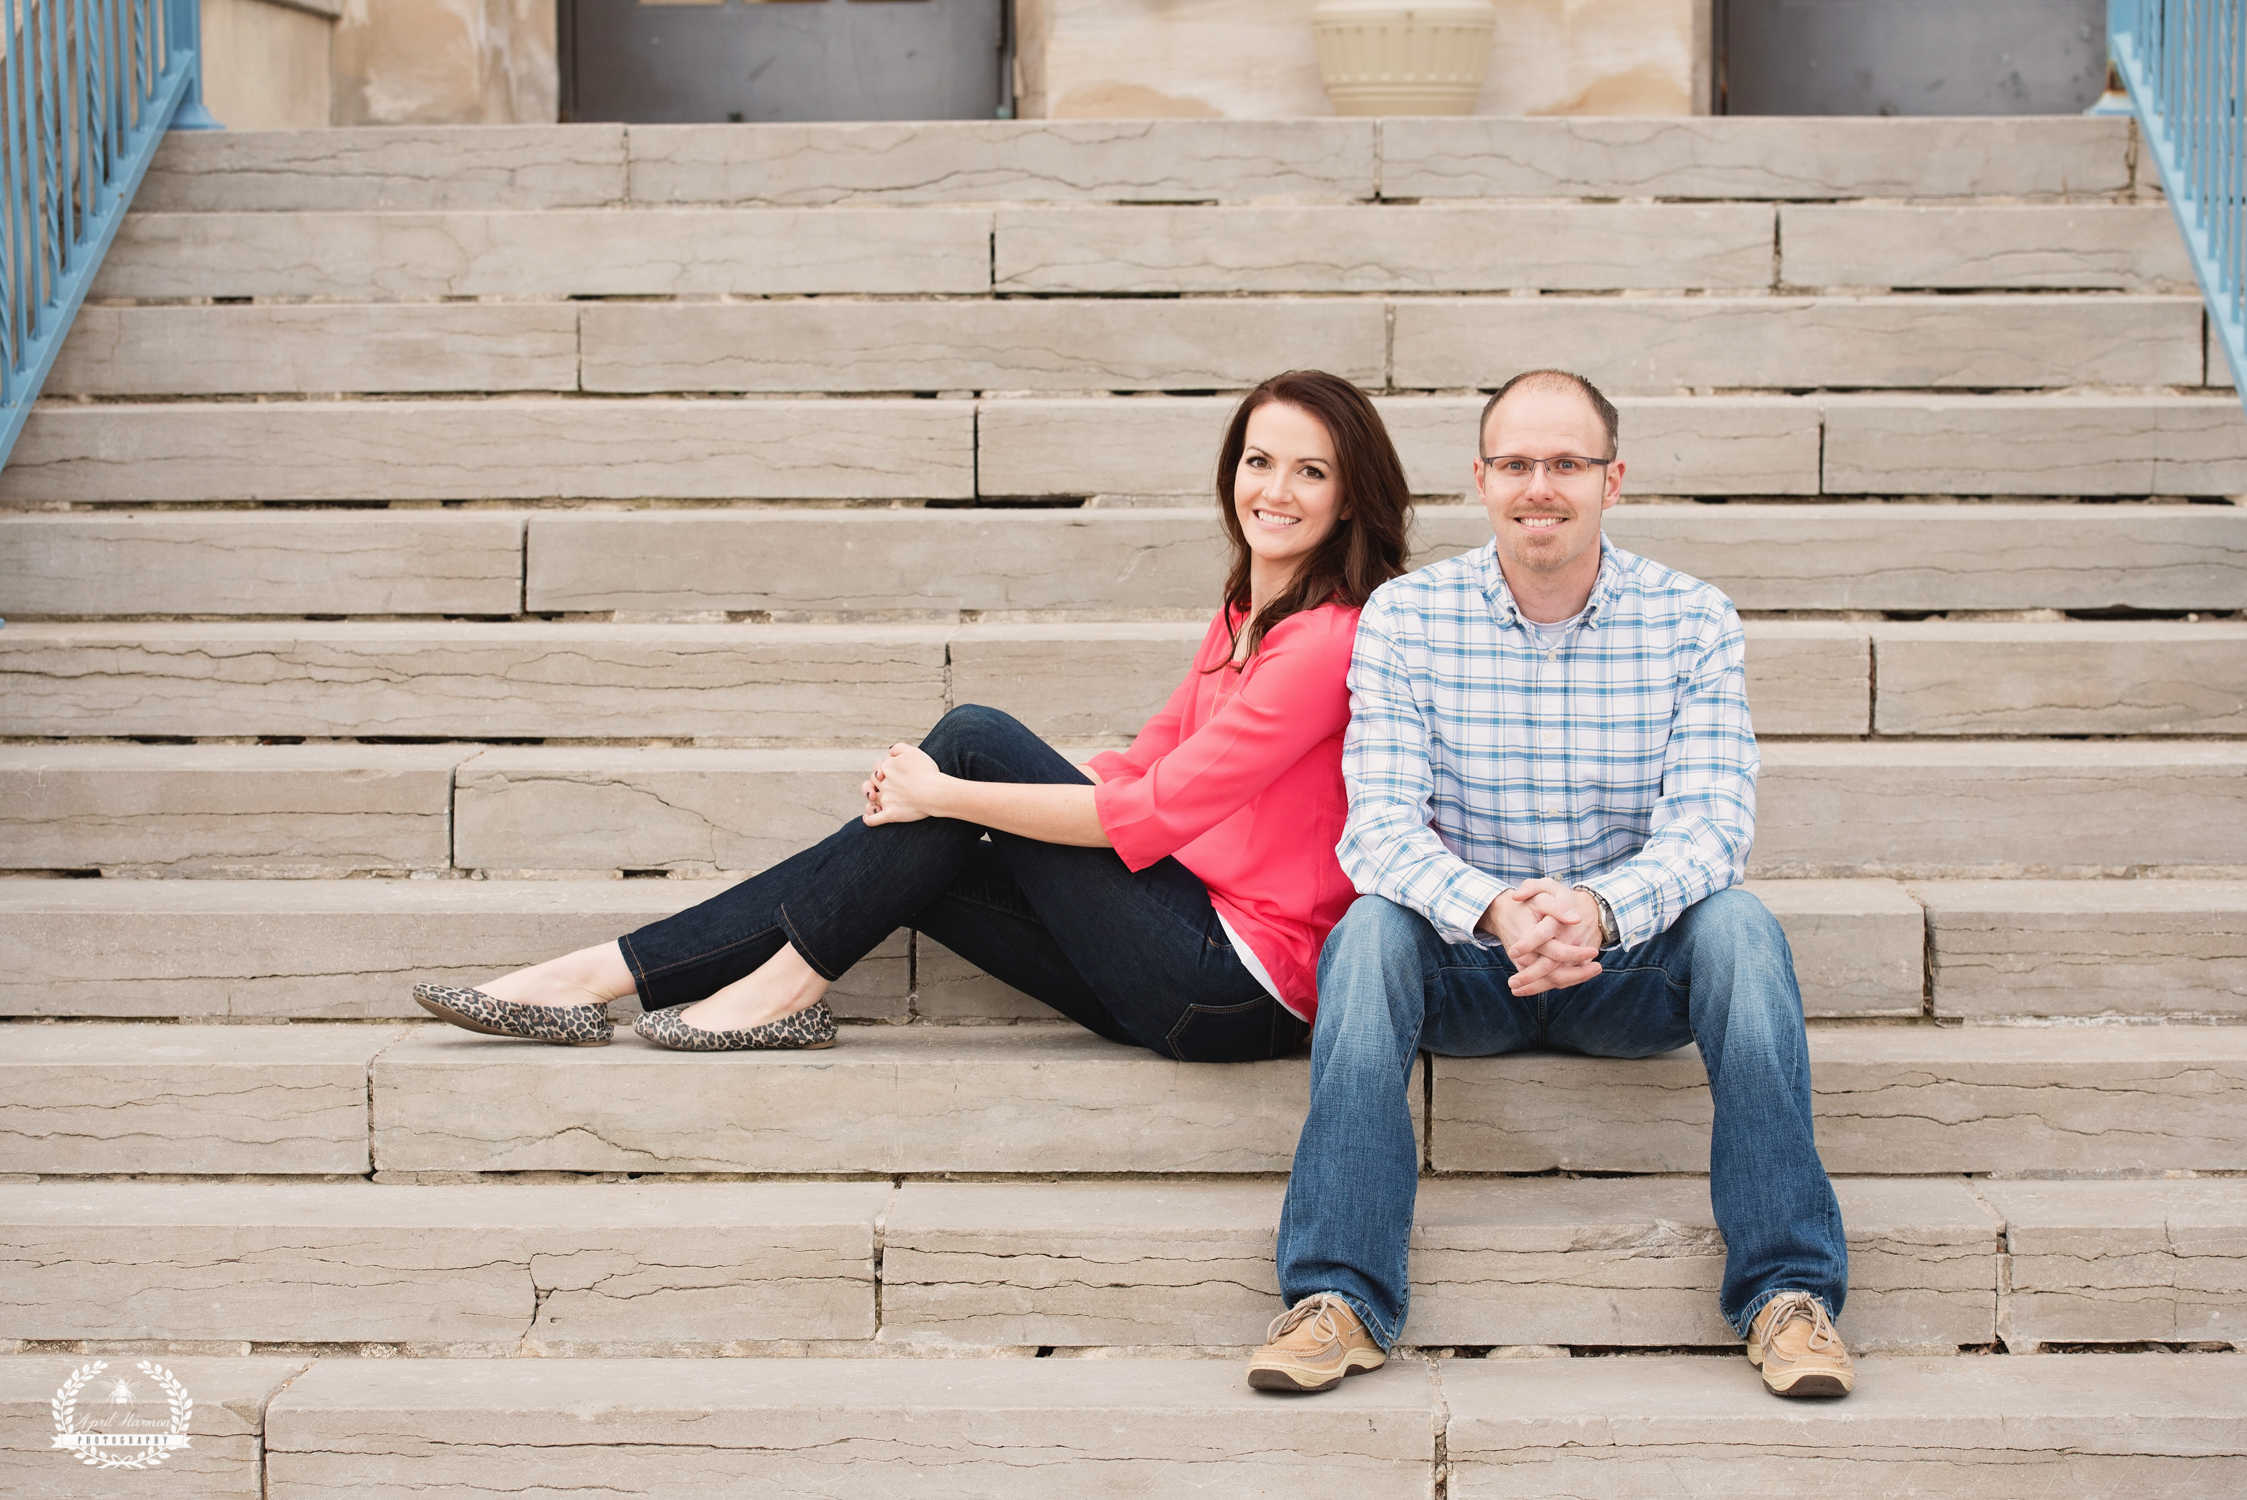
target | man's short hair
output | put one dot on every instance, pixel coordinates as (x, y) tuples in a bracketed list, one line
[(1556, 380)]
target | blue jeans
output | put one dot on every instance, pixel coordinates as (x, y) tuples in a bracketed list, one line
[(1139, 957), (1721, 977)]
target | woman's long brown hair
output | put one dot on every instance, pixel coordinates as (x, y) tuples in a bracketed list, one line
[(1366, 548)]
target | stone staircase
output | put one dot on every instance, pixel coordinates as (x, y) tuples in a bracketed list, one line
[(439, 549)]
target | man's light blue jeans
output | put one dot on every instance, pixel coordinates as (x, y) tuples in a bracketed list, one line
[(1721, 977)]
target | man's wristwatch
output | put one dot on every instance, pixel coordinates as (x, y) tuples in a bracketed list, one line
[(1609, 933)]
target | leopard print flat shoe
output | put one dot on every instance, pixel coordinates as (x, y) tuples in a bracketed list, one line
[(473, 1010), (811, 1028)]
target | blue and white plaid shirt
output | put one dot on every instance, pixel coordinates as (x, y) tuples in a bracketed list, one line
[(1623, 760)]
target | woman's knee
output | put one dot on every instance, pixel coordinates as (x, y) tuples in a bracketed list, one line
[(971, 730)]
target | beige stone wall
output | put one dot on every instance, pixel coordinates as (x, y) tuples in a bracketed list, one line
[(445, 62), (266, 64), (1123, 59)]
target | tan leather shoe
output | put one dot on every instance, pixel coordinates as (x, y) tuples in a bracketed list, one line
[(1794, 1344), (1312, 1345)]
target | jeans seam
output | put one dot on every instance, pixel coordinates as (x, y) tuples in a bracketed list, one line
[(641, 971), (1194, 1009), (787, 924)]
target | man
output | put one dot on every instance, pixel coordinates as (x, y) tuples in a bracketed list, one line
[(1552, 793)]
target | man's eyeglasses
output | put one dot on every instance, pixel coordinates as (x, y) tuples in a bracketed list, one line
[(1568, 471)]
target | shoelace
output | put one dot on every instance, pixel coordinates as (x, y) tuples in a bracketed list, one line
[(1801, 1307), (1318, 1311)]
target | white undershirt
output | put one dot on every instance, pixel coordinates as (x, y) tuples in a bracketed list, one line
[(1550, 637), (1249, 960)]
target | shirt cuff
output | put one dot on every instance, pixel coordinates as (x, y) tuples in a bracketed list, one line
[(1459, 906), (1635, 902)]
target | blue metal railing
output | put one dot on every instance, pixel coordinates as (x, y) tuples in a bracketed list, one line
[(87, 90), (2185, 65)]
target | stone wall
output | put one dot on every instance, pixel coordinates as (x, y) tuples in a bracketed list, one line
[(266, 62), (445, 62), (1253, 59)]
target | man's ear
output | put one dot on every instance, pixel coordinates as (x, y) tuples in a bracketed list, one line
[(1614, 486)]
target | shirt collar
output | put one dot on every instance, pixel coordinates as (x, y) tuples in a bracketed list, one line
[(1501, 598)]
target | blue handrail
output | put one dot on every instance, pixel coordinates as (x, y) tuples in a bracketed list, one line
[(2185, 65), (87, 90)]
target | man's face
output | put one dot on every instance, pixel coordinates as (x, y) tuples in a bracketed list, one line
[(1547, 524)]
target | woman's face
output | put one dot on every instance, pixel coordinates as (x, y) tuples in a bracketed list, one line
[(1285, 491)]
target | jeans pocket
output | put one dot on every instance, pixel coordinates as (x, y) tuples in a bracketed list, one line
[(1249, 1032)]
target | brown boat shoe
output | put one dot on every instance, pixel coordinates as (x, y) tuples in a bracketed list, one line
[(1794, 1344), (1312, 1345)]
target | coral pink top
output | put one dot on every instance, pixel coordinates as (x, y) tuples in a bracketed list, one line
[(1240, 777)]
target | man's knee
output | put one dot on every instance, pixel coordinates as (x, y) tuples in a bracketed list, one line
[(1733, 925), (1736, 938), (1371, 965)]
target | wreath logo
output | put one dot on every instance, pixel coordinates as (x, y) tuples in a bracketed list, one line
[(117, 1438)]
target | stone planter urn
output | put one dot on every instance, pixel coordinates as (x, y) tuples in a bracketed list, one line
[(1403, 57)]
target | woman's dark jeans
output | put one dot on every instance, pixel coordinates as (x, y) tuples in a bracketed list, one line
[(1138, 958)]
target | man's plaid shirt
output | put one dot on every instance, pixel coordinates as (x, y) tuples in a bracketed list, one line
[(1624, 760)]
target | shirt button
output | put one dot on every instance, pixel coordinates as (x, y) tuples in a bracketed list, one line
[(1553, 812), (1552, 737)]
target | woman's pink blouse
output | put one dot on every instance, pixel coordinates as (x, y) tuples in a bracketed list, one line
[(1240, 777)]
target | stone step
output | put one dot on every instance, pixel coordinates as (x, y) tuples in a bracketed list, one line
[(540, 1268), (1979, 809), (225, 1456), (271, 810), (199, 1099), (781, 684), (528, 448), (1896, 557), (519, 449), (646, 1267), (844, 1428), (555, 252), (1616, 1262), (2131, 247), (872, 683), (2122, 1262), (2002, 1099), (2060, 1427), (1158, 161), (2086, 948), (788, 560), (338, 562), (1662, 344), (889, 1099), (1124, 250), (351, 949)]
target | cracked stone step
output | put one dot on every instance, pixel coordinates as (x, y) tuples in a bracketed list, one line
[(2057, 1427), (224, 1456), (1397, 248), (2005, 1099), (887, 1099), (540, 1268), (2081, 677), (1668, 344), (524, 448), (273, 810), (2034, 445), (201, 351), (769, 684), (352, 949), (1897, 556), (2123, 1262), (2132, 247), (2077, 948), (286, 563), (555, 252), (387, 167), (844, 1428), (1742, 157), (201, 1099), (1513, 1262)]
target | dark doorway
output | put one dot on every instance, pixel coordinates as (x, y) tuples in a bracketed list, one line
[(711, 61), (1910, 57)]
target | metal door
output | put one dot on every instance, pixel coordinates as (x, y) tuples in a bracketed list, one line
[(1910, 57), (705, 61)]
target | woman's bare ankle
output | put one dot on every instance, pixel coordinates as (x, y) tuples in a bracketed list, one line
[(781, 986), (590, 976)]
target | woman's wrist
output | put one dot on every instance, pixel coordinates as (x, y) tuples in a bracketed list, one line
[(944, 796)]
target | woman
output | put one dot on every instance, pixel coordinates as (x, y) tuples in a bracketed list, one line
[(1174, 895)]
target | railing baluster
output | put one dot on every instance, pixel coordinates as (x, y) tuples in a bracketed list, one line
[(87, 90)]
